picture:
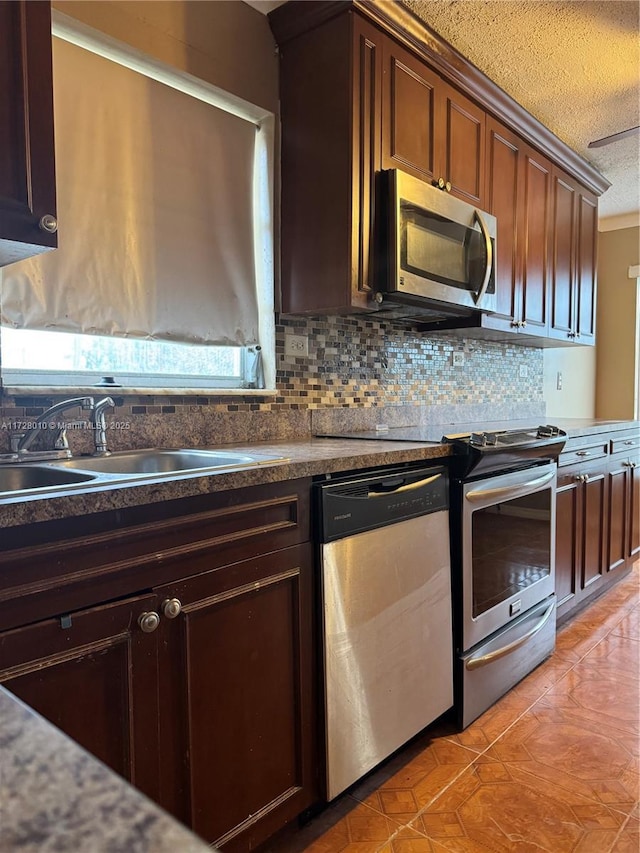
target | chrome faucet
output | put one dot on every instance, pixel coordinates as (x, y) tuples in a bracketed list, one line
[(99, 425), (21, 443)]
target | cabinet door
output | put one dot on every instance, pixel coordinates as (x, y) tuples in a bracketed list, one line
[(94, 675), (568, 550), (27, 166), (503, 194), (330, 92), (462, 136), (618, 512), (595, 529), (586, 267), (534, 243), (409, 114), (367, 76), (562, 294), (236, 716)]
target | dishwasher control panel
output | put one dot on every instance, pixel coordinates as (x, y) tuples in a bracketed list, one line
[(377, 499)]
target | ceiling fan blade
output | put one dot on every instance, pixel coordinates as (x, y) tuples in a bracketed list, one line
[(598, 143)]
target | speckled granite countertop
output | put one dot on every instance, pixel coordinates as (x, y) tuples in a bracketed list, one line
[(306, 457), (54, 796)]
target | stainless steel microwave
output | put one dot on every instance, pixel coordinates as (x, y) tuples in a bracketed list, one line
[(436, 253)]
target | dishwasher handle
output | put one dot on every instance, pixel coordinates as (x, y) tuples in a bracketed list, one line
[(398, 485), (357, 504)]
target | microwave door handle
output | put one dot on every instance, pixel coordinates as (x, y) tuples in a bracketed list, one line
[(489, 249)]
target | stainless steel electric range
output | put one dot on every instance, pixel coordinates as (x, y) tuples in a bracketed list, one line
[(502, 519)]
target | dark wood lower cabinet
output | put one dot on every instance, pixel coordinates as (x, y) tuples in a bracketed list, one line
[(598, 515), (199, 690), (581, 533), (94, 674), (237, 698)]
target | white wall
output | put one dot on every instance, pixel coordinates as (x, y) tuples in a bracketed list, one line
[(577, 398)]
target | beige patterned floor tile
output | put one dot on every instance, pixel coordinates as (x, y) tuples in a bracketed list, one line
[(629, 626), (495, 807), (589, 759), (628, 841), (415, 785)]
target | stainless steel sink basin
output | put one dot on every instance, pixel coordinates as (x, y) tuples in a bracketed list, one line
[(32, 480), (156, 462), (20, 478)]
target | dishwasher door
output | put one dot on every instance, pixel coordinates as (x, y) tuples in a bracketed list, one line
[(387, 641)]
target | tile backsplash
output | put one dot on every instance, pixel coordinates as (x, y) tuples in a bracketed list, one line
[(353, 362)]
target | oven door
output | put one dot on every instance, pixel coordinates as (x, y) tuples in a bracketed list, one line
[(508, 548)]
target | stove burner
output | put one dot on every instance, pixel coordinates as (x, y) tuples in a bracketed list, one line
[(548, 431)]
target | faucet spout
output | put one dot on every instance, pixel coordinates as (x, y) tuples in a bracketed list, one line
[(45, 424), (99, 425)]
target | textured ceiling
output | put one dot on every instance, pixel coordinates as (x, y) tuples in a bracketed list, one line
[(574, 65)]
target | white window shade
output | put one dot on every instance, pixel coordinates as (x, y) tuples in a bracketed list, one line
[(155, 210)]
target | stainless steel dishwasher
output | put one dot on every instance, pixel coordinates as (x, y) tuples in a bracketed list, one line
[(386, 597)]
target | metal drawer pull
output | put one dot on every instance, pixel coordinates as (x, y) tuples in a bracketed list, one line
[(630, 443), (484, 660), (510, 491), (583, 453)]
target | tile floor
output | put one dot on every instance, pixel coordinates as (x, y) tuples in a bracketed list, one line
[(553, 766)]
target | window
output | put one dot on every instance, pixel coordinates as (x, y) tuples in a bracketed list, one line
[(164, 273)]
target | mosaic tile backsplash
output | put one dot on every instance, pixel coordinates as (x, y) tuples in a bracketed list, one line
[(353, 362)]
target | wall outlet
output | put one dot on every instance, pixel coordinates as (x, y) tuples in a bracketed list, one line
[(524, 371), (457, 359), (296, 345), (559, 381)]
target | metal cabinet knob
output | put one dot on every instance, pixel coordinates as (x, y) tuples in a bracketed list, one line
[(172, 607), (48, 223), (440, 183), (148, 621), (447, 186)]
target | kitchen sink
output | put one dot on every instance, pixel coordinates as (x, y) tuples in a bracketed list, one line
[(40, 479), (156, 462), (20, 478)]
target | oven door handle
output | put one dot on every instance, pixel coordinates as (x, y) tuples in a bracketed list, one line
[(485, 660), (507, 492), (489, 250)]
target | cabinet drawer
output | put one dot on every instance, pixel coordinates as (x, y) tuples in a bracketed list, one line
[(584, 454), (625, 444)]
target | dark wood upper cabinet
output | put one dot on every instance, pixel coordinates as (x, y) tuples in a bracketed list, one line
[(463, 146), (27, 165), (518, 194), (573, 261), (366, 86), (428, 128), (411, 114), (330, 153)]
